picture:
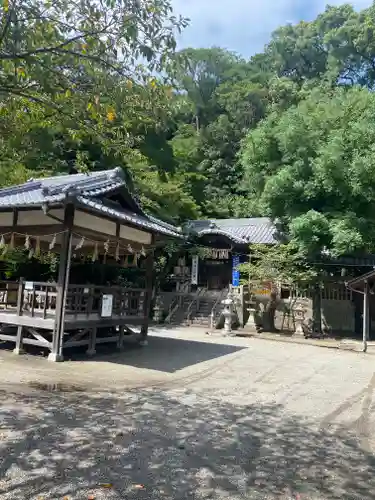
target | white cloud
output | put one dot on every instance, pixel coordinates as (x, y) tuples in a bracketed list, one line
[(244, 26)]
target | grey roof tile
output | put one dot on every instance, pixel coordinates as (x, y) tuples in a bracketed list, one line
[(55, 189), (85, 188), (149, 223), (259, 230)]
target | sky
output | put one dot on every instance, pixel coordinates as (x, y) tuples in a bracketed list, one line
[(244, 26)]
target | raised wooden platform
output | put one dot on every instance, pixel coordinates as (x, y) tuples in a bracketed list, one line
[(93, 314)]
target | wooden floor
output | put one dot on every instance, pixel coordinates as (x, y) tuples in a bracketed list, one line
[(10, 317), (72, 321)]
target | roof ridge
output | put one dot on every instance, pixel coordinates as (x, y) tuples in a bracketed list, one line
[(103, 176), (21, 188), (90, 174)]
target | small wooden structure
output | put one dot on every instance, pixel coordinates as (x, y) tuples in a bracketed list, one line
[(365, 285), (88, 213)]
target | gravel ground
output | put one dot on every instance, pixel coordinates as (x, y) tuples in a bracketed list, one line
[(189, 417)]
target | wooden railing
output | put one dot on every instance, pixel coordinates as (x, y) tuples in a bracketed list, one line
[(39, 299), (194, 305), (88, 300), (35, 298)]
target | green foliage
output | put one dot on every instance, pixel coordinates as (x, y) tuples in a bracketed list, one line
[(279, 264), (202, 132), (218, 104), (77, 93), (312, 167)]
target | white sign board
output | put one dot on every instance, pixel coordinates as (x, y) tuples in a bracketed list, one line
[(107, 306), (29, 285), (194, 270)]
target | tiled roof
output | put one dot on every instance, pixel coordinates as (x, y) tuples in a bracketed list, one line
[(147, 222), (240, 231), (86, 189), (55, 189)]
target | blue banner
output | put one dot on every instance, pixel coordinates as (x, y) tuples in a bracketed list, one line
[(235, 271)]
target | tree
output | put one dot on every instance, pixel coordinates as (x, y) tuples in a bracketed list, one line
[(198, 73), (82, 72), (219, 102), (78, 93), (51, 47), (312, 168), (281, 265)]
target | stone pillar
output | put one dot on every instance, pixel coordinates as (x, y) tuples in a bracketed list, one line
[(251, 325), (299, 316)]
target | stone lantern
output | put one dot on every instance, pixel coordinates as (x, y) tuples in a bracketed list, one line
[(251, 325), (228, 314), (299, 316)]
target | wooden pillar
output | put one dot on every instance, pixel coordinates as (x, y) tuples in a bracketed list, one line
[(18, 349), (56, 353), (147, 298), (91, 351), (366, 315), (120, 342)]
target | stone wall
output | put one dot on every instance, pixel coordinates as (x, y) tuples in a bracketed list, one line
[(337, 314)]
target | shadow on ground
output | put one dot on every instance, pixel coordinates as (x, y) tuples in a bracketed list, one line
[(178, 446), (163, 354), (167, 354)]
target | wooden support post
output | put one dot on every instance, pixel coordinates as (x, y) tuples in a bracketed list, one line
[(120, 342), (366, 315), (18, 349), (20, 297), (147, 298), (91, 351), (56, 353)]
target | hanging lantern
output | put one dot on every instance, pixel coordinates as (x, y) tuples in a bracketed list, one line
[(143, 251), (106, 246), (53, 242), (80, 244), (27, 242), (130, 249), (117, 253), (96, 253), (51, 246)]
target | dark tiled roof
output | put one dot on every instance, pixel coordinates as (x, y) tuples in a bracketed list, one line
[(240, 231), (86, 189), (146, 222), (55, 189)]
